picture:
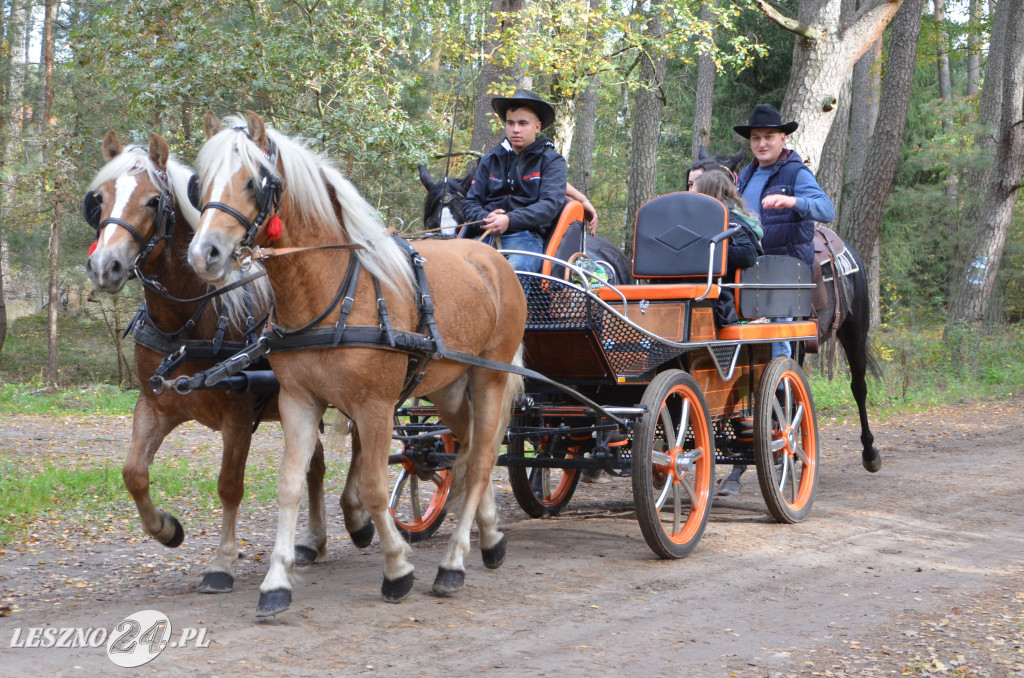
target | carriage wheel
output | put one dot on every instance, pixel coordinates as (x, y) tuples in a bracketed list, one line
[(419, 499), (786, 441), (673, 465), (541, 492)]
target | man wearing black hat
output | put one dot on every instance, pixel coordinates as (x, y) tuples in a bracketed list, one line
[(780, 187), (519, 187)]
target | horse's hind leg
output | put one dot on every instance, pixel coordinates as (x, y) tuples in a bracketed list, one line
[(236, 434), (313, 547), (853, 337), (473, 470), (149, 428), (357, 519)]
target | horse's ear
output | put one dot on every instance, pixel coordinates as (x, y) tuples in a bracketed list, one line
[(111, 145), (702, 153), (158, 151), (425, 177), (211, 124), (257, 132), (735, 161)]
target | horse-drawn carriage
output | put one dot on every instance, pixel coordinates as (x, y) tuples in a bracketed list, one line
[(635, 379), (676, 392)]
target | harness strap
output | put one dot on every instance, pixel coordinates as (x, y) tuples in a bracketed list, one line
[(837, 287)]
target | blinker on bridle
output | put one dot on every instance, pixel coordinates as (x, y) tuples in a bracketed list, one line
[(266, 191)]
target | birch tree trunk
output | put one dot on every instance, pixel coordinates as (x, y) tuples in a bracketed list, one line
[(823, 56), (643, 157), (974, 287), (974, 49), (868, 203), (12, 134)]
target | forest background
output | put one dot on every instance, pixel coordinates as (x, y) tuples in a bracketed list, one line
[(909, 115)]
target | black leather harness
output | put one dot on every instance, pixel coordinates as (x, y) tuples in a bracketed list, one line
[(422, 346)]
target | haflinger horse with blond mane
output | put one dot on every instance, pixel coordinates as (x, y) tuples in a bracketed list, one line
[(134, 203), (362, 343)]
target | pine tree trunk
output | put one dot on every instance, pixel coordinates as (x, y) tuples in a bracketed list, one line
[(483, 138), (866, 91), (643, 157), (945, 81), (833, 156), (52, 7), (704, 106), (974, 287), (868, 204), (822, 58)]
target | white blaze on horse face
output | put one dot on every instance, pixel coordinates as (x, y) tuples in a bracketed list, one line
[(221, 181), (123, 189), (447, 222)]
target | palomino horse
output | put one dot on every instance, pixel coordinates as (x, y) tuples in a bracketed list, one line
[(442, 208), (259, 186), (134, 203), (847, 292)]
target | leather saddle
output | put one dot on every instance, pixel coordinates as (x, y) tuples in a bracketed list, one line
[(833, 265)]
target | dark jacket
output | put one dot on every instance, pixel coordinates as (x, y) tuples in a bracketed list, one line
[(744, 249), (530, 186), (785, 231)]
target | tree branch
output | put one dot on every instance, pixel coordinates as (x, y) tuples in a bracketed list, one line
[(776, 16), (867, 25)]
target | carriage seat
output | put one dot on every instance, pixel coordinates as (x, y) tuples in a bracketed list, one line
[(565, 238), (666, 292), (776, 286), (673, 236)]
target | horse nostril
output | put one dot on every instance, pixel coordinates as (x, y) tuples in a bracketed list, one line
[(212, 254), (115, 268)]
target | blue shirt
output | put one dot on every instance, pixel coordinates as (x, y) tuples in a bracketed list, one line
[(811, 201)]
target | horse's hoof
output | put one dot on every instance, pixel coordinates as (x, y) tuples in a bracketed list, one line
[(179, 534), (495, 556), (448, 582), (363, 536), (396, 591), (304, 555), (217, 582), (273, 602), (729, 487), (872, 460)]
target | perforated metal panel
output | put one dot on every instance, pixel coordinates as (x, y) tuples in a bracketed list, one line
[(627, 351)]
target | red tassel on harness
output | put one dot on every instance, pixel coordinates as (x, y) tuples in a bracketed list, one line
[(93, 248), (274, 228)]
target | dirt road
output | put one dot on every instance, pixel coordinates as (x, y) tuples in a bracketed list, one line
[(914, 570)]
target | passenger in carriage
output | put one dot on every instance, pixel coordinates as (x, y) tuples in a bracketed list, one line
[(744, 245), (782, 190), (520, 186)]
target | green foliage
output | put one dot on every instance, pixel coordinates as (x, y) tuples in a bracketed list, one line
[(922, 368)]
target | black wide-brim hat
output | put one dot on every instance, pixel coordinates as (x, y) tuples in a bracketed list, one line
[(765, 116), (524, 97)]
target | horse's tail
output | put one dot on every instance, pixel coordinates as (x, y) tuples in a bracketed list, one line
[(514, 387), (871, 361)]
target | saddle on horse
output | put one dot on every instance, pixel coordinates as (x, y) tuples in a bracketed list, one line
[(833, 266)]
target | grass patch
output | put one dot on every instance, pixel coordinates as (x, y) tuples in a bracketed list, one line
[(91, 498), (921, 370), (31, 398)]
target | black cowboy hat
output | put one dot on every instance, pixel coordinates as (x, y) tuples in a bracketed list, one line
[(524, 97), (765, 116)]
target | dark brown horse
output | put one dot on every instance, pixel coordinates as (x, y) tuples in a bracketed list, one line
[(135, 202), (260, 186)]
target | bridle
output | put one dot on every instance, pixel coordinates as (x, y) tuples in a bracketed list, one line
[(92, 209), (266, 191)]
